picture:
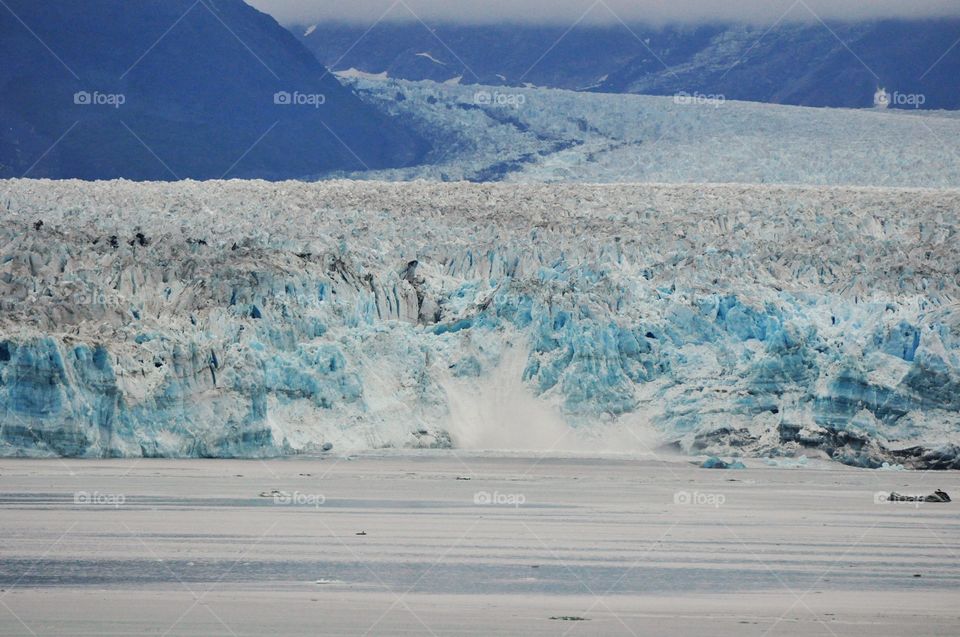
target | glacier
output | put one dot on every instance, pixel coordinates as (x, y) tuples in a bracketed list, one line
[(252, 319), (496, 133)]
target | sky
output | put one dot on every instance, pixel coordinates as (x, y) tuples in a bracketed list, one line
[(564, 12)]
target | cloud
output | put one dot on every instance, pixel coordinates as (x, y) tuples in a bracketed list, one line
[(566, 12)]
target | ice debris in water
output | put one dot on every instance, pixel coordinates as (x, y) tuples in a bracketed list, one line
[(716, 463), (787, 463)]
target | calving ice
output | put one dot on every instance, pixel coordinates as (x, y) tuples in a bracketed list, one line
[(716, 320), (553, 320)]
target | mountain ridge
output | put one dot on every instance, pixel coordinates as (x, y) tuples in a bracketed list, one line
[(803, 64)]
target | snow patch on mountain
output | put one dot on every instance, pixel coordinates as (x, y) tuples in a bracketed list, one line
[(431, 58), (352, 73)]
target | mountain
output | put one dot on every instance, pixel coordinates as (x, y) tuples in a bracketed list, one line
[(722, 319), (167, 89), (807, 64)]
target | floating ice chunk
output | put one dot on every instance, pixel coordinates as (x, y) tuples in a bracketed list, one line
[(787, 463), (716, 463)]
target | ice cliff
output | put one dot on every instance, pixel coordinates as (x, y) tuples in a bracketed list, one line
[(252, 319)]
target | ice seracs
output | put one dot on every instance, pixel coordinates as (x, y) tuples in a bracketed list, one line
[(251, 319)]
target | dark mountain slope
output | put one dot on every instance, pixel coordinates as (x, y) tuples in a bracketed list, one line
[(186, 90)]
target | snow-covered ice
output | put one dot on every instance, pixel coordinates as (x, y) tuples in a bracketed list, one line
[(247, 318), (546, 135)]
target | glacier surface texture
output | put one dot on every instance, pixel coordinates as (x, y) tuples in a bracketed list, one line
[(489, 133), (247, 319)]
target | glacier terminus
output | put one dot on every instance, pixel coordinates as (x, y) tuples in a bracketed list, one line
[(252, 319)]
